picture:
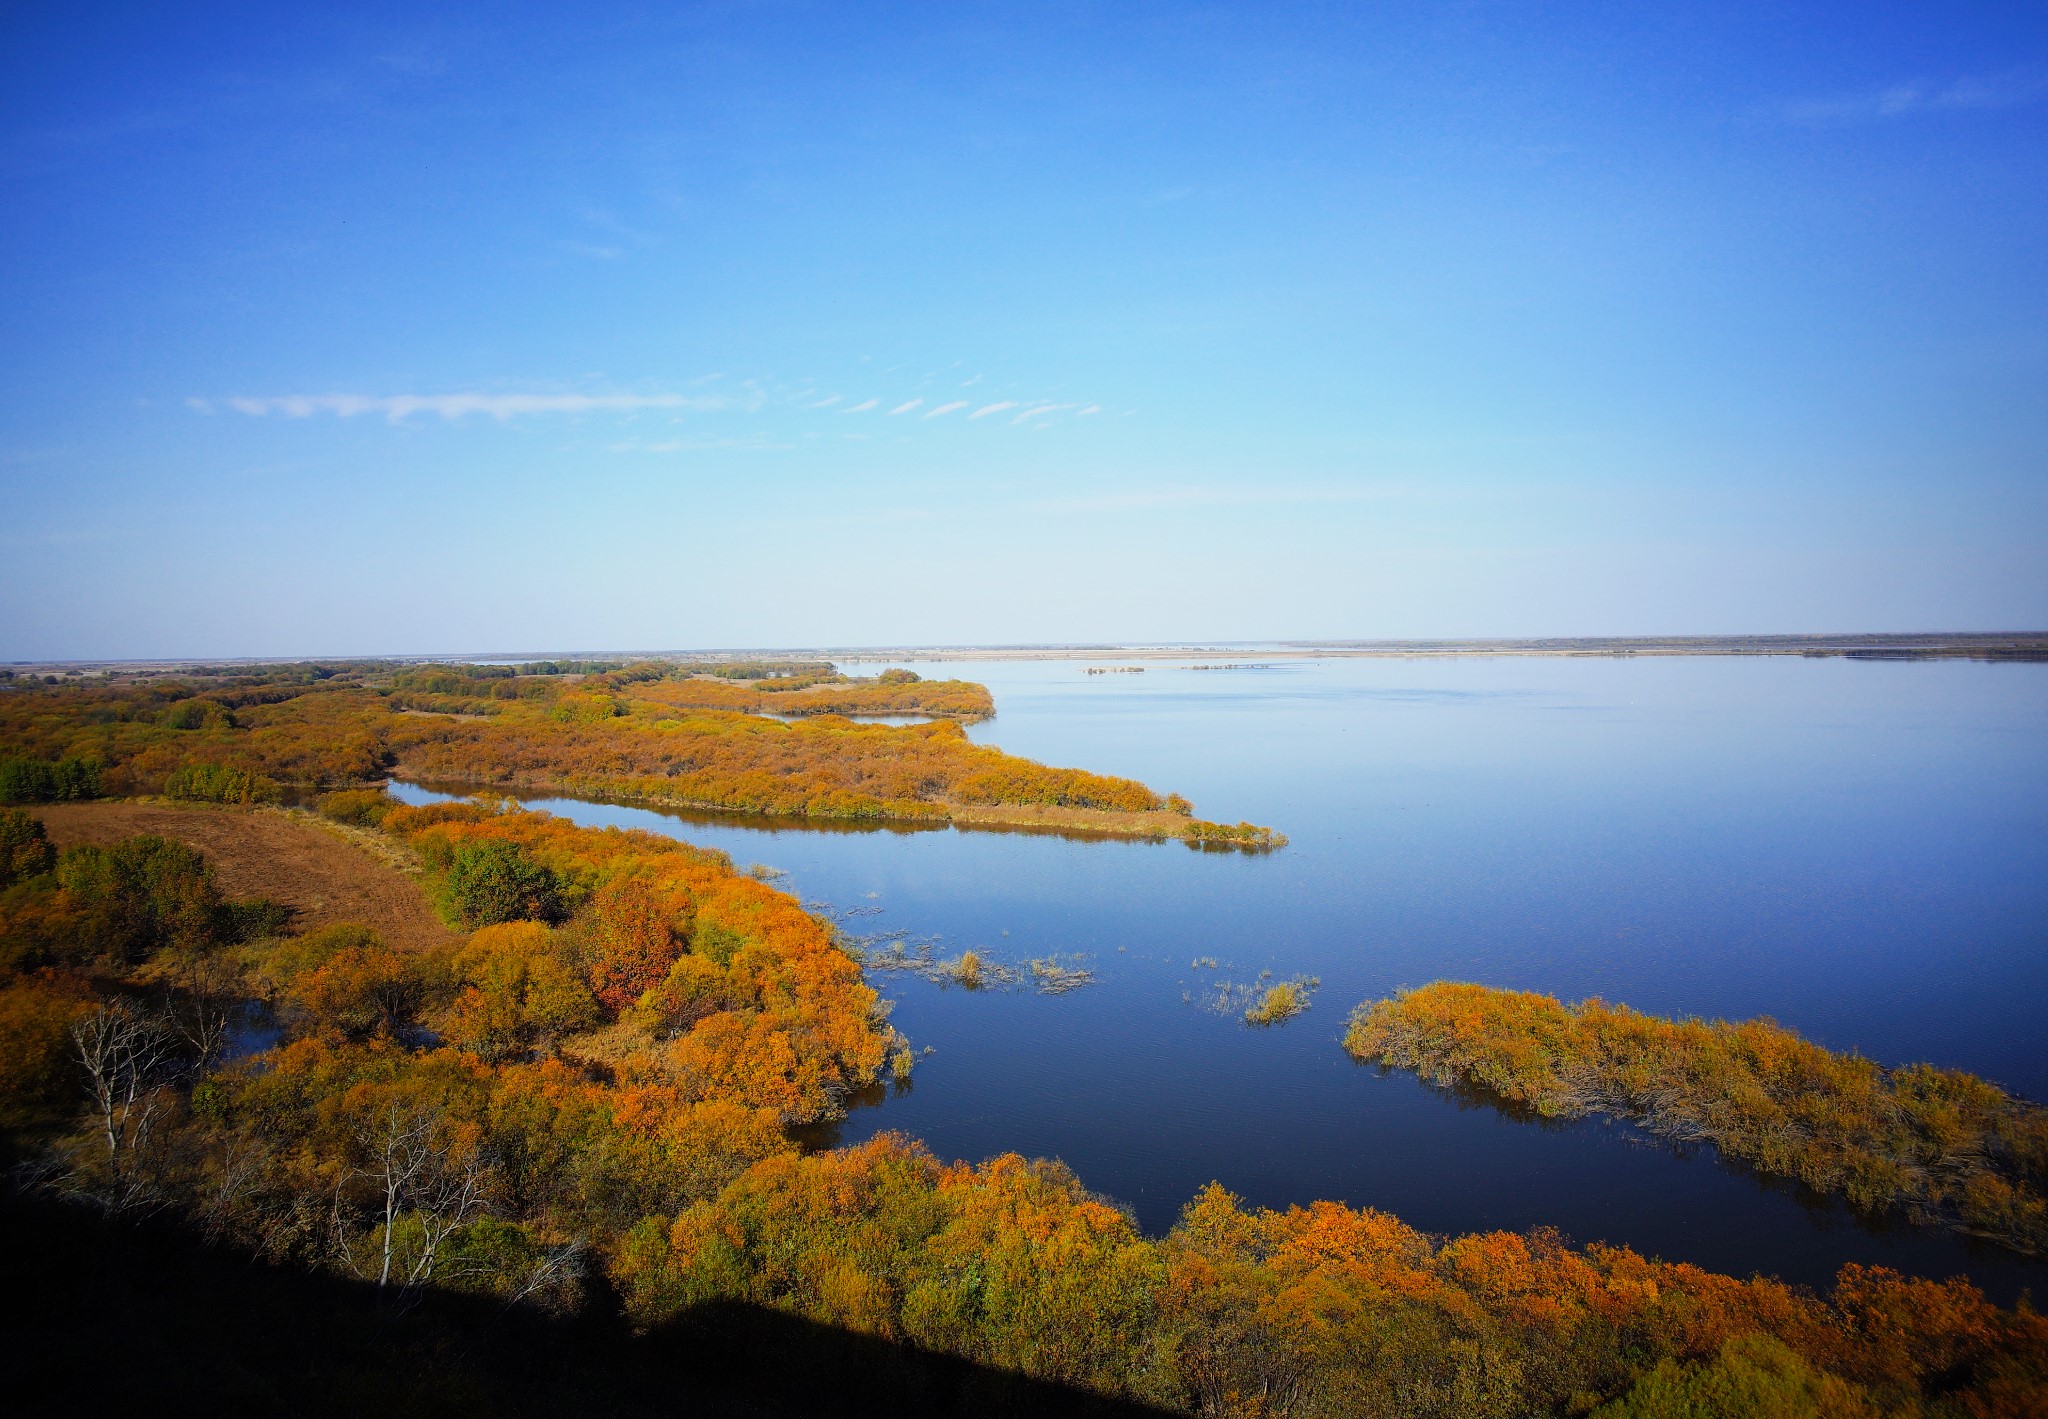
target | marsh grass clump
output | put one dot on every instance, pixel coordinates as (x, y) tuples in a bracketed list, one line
[(1265, 1001), (973, 970), (1947, 1147), (1281, 1002), (1053, 978)]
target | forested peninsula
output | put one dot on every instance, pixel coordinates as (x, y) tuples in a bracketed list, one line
[(1943, 1146), (750, 738)]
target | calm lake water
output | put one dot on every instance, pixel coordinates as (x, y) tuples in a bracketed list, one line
[(1858, 849)]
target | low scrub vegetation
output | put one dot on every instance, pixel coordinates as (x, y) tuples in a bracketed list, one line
[(653, 733), (628, 1026), (1944, 1146)]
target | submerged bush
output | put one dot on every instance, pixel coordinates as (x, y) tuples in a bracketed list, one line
[(1283, 1002)]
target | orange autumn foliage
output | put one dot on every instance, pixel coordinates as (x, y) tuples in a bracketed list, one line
[(1946, 1146), (650, 733), (1322, 1310), (793, 1028), (941, 699)]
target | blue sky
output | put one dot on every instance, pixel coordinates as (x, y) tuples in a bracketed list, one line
[(346, 330)]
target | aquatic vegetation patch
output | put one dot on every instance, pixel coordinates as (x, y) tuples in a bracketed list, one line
[(1280, 1002), (1054, 974), (1264, 1000)]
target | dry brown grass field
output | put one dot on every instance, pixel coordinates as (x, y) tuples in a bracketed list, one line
[(292, 858)]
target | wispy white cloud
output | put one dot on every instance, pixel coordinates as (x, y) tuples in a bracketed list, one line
[(593, 250), (1038, 409), (2009, 90), (706, 393), (456, 406)]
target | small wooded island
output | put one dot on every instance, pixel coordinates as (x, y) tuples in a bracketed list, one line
[(1943, 1146)]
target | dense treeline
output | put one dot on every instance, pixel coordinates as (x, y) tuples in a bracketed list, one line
[(1945, 1146), (894, 692), (598, 1080), (624, 733), (791, 689), (26, 780), (1323, 1310)]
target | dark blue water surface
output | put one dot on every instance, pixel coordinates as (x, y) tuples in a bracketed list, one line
[(1857, 849)]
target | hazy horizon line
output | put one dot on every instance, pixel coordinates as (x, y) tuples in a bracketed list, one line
[(1701, 641)]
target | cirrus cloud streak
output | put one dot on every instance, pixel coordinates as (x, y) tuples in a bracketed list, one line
[(455, 406)]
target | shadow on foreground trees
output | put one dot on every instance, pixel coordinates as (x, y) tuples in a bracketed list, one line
[(102, 1315)]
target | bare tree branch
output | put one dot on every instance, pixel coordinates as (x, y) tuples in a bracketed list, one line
[(129, 1061), (426, 1186)]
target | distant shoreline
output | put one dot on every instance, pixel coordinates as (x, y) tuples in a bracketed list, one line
[(1938, 645), (2024, 645)]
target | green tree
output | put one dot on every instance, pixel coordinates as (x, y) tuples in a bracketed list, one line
[(1754, 1377), (140, 896), (220, 783), (26, 781), (493, 882), (25, 849)]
